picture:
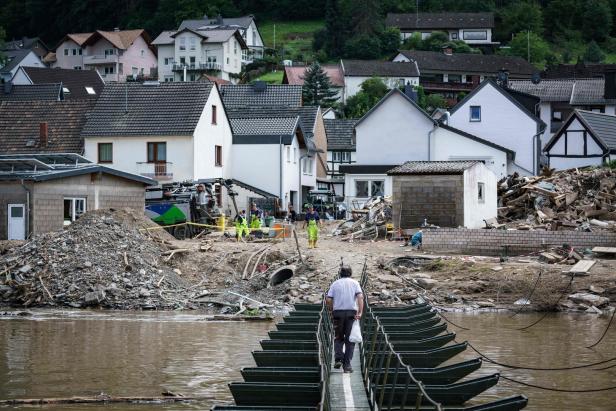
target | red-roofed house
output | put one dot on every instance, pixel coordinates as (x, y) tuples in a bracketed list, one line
[(294, 75), (116, 54)]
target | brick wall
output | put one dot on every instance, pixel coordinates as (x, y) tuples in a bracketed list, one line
[(493, 242), (439, 199)]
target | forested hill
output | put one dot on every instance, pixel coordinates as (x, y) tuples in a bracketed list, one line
[(560, 30)]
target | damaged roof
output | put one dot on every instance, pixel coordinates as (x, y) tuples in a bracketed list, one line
[(432, 167)]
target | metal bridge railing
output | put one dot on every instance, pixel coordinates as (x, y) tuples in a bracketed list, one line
[(378, 354), (325, 343)]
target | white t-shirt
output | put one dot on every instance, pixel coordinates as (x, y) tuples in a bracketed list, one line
[(343, 292)]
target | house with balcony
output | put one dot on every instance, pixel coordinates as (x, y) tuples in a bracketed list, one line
[(171, 132), (116, 55), (188, 55), (472, 28), (449, 74), (246, 25)]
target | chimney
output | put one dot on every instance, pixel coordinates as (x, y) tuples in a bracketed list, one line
[(609, 89), (448, 50), (475, 80), (8, 87), (410, 92), (43, 134)]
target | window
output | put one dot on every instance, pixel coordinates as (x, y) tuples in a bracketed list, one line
[(294, 155), (307, 166), (168, 79), (182, 43), (475, 35), (454, 36), (454, 78), (168, 61), (192, 77), (109, 69), (90, 90), (481, 187), (475, 113), (74, 52), (142, 52), (193, 43), (134, 72), (218, 156), (105, 152), (157, 152), (77, 68), (66, 52), (227, 60), (214, 112), (557, 115), (121, 68), (182, 60), (80, 51), (109, 52), (401, 82), (361, 188), (341, 156), (73, 209), (288, 154), (377, 188), (192, 60), (211, 59), (235, 47)]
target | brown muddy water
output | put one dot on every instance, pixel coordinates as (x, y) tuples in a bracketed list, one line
[(83, 353)]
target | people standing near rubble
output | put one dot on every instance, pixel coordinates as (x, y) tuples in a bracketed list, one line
[(312, 222), (345, 301), (292, 214), (241, 225), (255, 217)]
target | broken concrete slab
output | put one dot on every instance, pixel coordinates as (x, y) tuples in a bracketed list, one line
[(589, 299)]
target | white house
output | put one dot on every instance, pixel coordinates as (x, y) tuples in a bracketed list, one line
[(169, 132), (14, 59), (340, 150), (116, 55), (504, 117), (187, 54), (472, 28), (247, 26), (586, 138), (393, 74), (397, 130)]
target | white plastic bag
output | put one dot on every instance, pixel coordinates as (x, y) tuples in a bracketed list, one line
[(355, 336)]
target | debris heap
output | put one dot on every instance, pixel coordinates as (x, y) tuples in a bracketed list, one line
[(368, 222), (566, 200)]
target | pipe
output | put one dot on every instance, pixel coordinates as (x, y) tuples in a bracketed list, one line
[(430, 140), (537, 150), (281, 275), (27, 208)]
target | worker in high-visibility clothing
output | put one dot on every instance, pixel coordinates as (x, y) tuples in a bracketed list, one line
[(241, 225), (312, 221), (255, 217)]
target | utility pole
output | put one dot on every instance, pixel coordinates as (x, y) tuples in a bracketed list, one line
[(274, 37)]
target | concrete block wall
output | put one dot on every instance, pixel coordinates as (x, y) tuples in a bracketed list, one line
[(493, 242)]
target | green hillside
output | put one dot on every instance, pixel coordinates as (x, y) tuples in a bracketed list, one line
[(293, 39)]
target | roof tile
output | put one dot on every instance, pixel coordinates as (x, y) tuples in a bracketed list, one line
[(432, 167), (440, 20), (368, 68)]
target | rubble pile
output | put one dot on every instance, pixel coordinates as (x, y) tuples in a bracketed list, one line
[(368, 222), (103, 259), (565, 200)]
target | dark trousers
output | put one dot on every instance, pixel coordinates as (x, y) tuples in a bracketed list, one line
[(343, 322)]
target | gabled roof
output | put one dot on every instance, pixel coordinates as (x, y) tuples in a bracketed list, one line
[(440, 20), (165, 37), (75, 81), (508, 96), (340, 133), (468, 62), (601, 126), (432, 167), (24, 43), (295, 75), (573, 91), (38, 92), (78, 38), (134, 109), (14, 58), (208, 36), (20, 121), (307, 114), (369, 68), (242, 22), (121, 39), (387, 96), (270, 130), (249, 95)]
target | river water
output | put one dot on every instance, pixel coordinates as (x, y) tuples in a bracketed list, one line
[(83, 353)]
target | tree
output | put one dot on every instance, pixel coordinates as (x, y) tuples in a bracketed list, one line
[(365, 47), (334, 40), (414, 42), (434, 101), (593, 53), (521, 16), (597, 20), (317, 89), (529, 46), (390, 40), (435, 41), (372, 90), (2, 36), (561, 16)]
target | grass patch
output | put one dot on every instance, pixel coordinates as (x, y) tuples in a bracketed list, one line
[(293, 38), (273, 77)]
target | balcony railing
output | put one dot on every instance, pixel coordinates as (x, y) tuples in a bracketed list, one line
[(198, 67), (100, 59), (160, 170)]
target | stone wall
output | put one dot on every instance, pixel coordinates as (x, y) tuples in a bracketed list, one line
[(496, 242), (439, 199)]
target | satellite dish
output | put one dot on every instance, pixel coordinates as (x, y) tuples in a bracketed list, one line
[(536, 78)]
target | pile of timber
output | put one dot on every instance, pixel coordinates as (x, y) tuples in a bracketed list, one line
[(367, 222), (575, 199)]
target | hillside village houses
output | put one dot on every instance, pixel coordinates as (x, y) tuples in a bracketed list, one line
[(115, 55), (14, 59), (393, 74), (76, 84)]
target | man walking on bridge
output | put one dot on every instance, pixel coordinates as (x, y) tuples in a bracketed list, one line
[(346, 302)]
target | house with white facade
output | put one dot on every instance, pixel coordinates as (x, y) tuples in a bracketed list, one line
[(14, 59), (187, 54), (472, 28), (171, 132), (506, 118), (397, 130), (247, 26), (586, 138), (393, 74), (116, 55)]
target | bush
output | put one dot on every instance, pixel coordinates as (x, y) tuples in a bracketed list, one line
[(364, 47), (390, 40), (593, 53), (610, 164), (413, 43)]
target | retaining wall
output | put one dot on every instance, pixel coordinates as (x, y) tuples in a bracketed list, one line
[(496, 242)]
